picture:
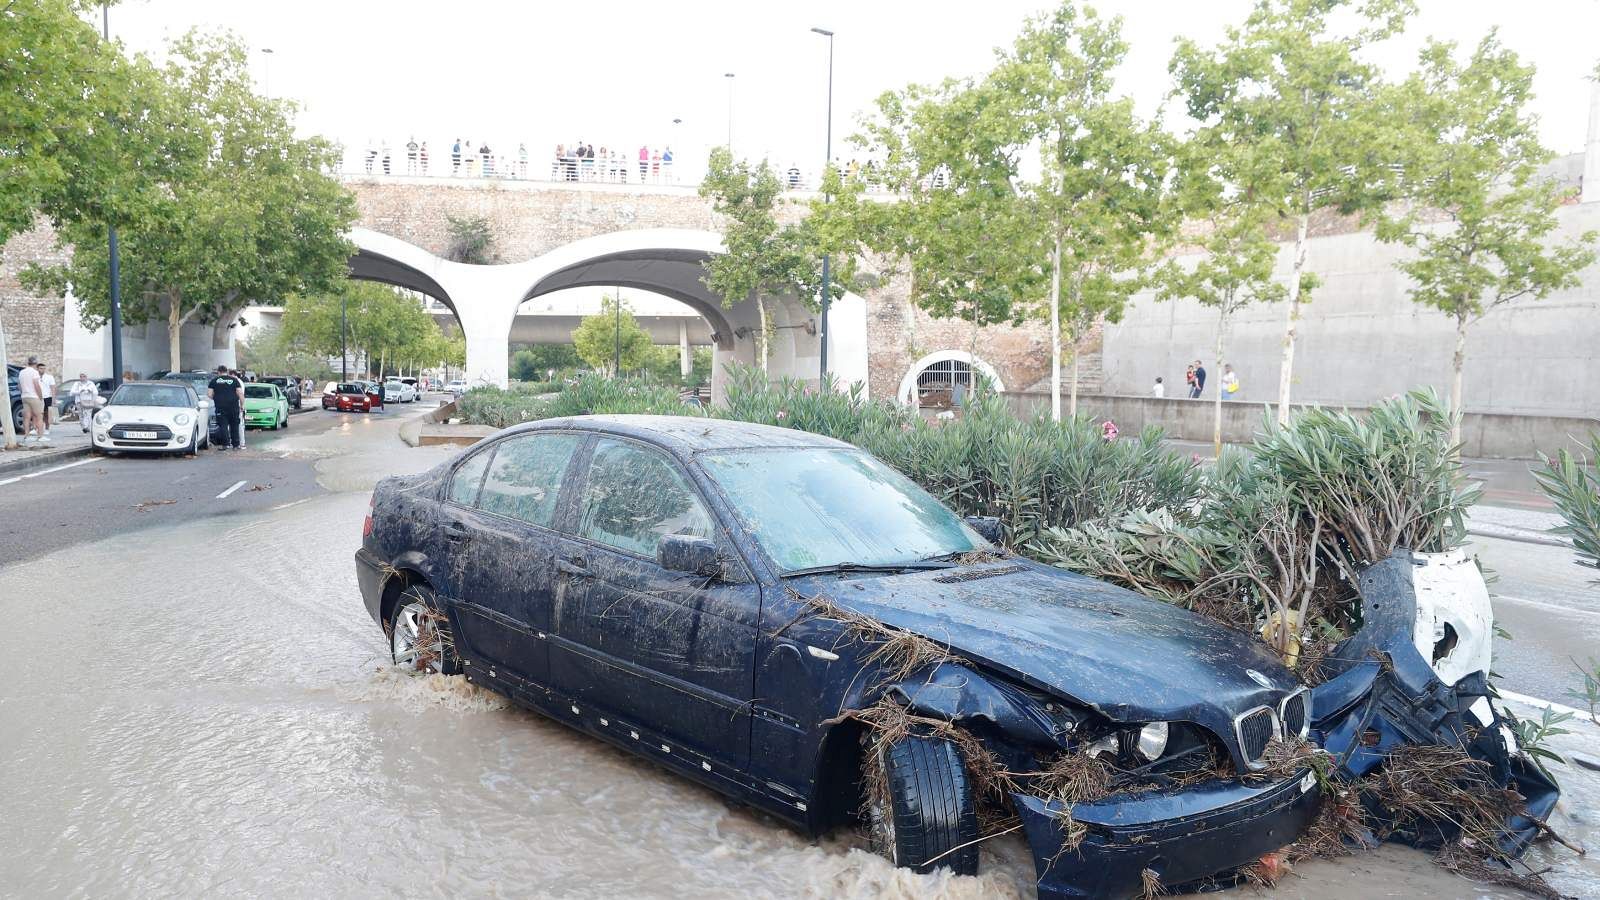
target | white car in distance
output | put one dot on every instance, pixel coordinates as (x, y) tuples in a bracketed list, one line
[(397, 391), (457, 387), (152, 417)]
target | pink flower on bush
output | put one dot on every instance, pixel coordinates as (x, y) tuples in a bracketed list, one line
[(782, 414), (1109, 430)]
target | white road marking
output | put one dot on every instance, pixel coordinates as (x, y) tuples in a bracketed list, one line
[(236, 486), (1544, 704), (292, 503), (18, 478)]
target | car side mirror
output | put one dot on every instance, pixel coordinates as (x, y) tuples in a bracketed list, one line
[(684, 553), (205, 403), (987, 527)]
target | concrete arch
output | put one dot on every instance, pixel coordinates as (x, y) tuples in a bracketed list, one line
[(666, 261), (908, 384)]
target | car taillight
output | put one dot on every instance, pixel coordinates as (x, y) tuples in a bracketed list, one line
[(366, 527)]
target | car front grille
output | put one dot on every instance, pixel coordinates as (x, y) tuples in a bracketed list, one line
[(161, 432), (1256, 729), (1294, 715)]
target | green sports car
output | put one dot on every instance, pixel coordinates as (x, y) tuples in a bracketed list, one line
[(265, 406)]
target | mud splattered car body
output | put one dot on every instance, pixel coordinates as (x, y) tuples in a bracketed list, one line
[(693, 590)]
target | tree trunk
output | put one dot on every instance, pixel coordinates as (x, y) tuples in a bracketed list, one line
[(1216, 414), (174, 330), (1055, 328), (1286, 367), (761, 309), (1072, 405), (911, 314), (1458, 363)]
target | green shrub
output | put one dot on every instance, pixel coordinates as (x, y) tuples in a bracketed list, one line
[(1573, 484), (590, 395)]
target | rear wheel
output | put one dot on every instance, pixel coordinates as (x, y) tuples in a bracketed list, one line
[(419, 634), (925, 810)]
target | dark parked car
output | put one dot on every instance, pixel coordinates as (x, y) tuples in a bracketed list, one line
[(694, 591), (199, 381), (290, 387), (14, 393)]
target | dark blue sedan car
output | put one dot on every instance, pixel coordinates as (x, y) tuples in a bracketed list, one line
[(748, 606)]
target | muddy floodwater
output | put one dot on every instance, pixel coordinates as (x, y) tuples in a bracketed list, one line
[(207, 710)]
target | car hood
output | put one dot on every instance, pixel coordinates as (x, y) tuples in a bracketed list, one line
[(1130, 658), (152, 414)]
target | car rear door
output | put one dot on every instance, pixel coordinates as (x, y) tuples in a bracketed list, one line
[(669, 651), (502, 552)]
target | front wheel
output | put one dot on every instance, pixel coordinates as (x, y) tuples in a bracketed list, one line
[(924, 816), (419, 634)]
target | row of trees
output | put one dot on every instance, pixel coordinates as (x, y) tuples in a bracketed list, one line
[(216, 201), (614, 336), (380, 324), (1036, 191)]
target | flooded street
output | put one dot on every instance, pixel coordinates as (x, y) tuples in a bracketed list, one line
[(204, 708)]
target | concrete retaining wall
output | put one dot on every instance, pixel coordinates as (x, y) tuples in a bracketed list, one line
[(1484, 435)]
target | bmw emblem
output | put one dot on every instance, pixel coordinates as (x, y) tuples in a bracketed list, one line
[(1258, 678)]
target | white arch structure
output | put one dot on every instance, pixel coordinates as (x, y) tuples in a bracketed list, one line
[(667, 261), (908, 384)]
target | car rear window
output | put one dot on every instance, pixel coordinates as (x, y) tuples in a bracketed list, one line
[(258, 391), (525, 478)]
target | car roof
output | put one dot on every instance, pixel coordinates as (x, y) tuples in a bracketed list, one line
[(688, 434)]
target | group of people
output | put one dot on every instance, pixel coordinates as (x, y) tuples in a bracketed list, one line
[(581, 162), (1195, 382), (465, 161), (38, 389)]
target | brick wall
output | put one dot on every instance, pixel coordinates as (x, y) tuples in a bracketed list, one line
[(33, 323)]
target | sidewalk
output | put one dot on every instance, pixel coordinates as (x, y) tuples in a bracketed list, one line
[(67, 442)]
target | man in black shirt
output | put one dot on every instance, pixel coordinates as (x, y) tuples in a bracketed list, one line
[(227, 394)]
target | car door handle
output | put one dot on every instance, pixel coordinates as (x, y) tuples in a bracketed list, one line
[(455, 532), (572, 565)]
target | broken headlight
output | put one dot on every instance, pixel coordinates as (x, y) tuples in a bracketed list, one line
[(1152, 741)]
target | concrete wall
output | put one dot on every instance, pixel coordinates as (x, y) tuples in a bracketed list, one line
[(1483, 435), (1361, 339)]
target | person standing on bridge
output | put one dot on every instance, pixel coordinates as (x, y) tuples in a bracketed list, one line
[(455, 157), (644, 163), (411, 155), (227, 398), (424, 157)]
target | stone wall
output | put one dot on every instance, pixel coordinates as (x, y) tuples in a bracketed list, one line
[(33, 323)]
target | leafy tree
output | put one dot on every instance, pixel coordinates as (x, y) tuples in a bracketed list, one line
[(1288, 99), (531, 363), (760, 257), (471, 241), (1099, 190), (1474, 155), (247, 216), (1236, 258), (382, 324), (600, 339), (268, 353)]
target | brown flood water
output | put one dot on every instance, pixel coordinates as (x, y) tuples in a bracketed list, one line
[(176, 726)]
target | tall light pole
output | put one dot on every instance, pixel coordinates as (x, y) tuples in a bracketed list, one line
[(344, 349), (729, 76), (616, 344), (116, 261), (827, 160), (266, 78)]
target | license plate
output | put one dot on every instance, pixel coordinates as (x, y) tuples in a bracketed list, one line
[(140, 435)]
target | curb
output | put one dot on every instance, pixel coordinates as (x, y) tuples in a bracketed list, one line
[(1520, 535), (33, 459)]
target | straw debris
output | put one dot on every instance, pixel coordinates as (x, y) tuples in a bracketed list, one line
[(1075, 778), (898, 654), (1150, 885)]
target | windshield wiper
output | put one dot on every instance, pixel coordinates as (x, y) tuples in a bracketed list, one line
[(917, 565)]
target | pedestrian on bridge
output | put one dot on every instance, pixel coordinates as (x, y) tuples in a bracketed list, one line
[(455, 157)]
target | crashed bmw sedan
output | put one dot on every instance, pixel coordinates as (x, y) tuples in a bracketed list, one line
[(784, 618)]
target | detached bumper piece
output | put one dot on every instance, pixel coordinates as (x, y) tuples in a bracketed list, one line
[(1185, 836), (1388, 696)]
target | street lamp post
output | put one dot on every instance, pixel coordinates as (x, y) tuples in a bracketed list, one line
[(616, 343), (729, 76), (111, 242), (266, 78), (827, 160), (344, 350)]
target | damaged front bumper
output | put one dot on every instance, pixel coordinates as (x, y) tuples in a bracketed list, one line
[(1183, 835)]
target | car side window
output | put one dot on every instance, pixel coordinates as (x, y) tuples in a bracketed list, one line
[(525, 479), (634, 496), (464, 483)]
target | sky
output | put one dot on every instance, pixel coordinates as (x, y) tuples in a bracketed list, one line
[(618, 73)]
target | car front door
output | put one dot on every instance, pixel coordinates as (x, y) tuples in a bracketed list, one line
[(502, 548), (670, 651)]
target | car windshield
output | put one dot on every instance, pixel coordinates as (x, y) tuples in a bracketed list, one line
[(820, 507), (257, 392), (352, 389), (150, 395)]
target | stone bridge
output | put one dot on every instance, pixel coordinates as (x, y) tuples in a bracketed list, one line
[(553, 236)]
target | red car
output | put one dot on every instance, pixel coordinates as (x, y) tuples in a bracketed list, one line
[(374, 394), (348, 396)]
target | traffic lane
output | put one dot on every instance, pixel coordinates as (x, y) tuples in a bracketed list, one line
[(1549, 607), (106, 496)]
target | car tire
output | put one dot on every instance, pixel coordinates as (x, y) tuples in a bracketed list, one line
[(284, 422), (194, 443), (929, 811), (406, 628)]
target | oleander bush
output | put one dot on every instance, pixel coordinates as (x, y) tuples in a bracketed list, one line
[(1572, 482)]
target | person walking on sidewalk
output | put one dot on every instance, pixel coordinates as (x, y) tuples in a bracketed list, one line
[(28, 385), (227, 396), (84, 396), (1230, 382), (1199, 380)]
